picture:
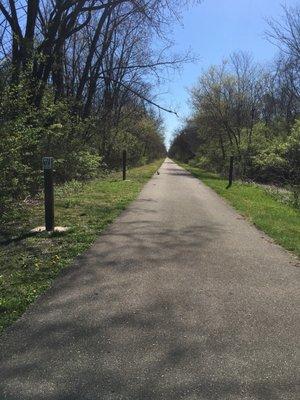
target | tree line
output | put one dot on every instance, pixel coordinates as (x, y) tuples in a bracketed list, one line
[(76, 81), (249, 111)]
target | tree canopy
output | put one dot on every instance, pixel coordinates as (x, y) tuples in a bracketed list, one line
[(249, 111), (76, 81)]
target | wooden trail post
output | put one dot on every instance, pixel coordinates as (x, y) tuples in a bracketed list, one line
[(230, 177), (48, 193), (124, 159)]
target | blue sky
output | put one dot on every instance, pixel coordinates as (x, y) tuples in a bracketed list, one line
[(213, 30)]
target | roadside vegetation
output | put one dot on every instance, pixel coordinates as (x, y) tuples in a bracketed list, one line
[(30, 262), (251, 112), (77, 83), (273, 215)]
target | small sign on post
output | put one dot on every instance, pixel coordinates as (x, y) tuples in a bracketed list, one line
[(230, 177), (124, 159), (48, 193)]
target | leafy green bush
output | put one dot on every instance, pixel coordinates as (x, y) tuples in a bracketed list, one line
[(18, 139), (279, 159), (81, 165), (81, 147), (27, 134)]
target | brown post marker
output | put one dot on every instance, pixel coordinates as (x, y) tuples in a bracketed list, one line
[(230, 177), (124, 159), (48, 193)]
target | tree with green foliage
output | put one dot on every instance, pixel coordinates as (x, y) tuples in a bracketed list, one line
[(250, 112), (76, 81)]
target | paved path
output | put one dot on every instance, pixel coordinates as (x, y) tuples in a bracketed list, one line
[(179, 299)]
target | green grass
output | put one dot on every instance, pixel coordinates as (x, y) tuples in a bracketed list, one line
[(280, 221), (29, 263)]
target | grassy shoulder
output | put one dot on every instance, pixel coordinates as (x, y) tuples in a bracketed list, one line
[(280, 221), (29, 263)]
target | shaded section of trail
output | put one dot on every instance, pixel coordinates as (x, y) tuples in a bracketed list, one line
[(179, 299)]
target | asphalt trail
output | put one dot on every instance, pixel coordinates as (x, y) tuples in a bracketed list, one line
[(179, 299)]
